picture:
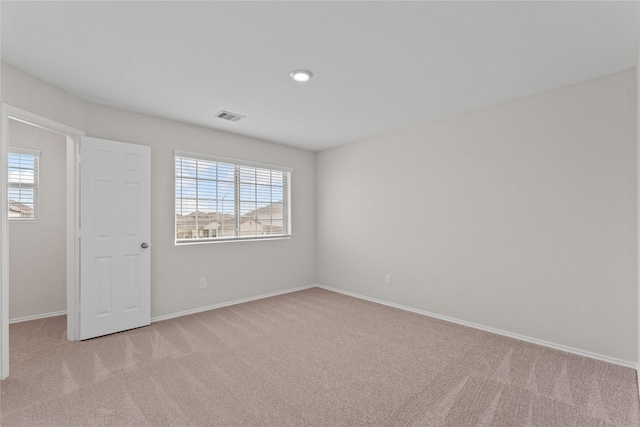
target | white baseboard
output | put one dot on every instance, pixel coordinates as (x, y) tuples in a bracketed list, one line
[(378, 301), (226, 304), (493, 330), (37, 316)]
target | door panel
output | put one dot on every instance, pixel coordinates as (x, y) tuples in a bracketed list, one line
[(114, 222)]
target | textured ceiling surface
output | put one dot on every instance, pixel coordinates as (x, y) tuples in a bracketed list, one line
[(378, 66)]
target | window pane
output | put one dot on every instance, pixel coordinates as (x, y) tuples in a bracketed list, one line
[(263, 176), (221, 200), (277, 226), (207, 206), (185, 206), (263, 194), (247, 174), (250, 227), (276, 194), (186, 187), (21, 176), (206, 170), (225, 198), (276, 178), (226, 172), (22, 171), (186, 167), (247, 192), (22, 195), (247, 209), (207, 189)]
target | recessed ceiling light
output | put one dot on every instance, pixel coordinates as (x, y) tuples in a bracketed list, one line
[(301, 76)]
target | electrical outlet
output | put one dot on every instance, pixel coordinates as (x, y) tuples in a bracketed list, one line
[(389, 281), (203, 283)]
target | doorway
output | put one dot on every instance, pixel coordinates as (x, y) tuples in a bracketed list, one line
[(72, 138), (37, 222)]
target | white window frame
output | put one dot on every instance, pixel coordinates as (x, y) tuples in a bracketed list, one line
[(35, 186), (238, 165)]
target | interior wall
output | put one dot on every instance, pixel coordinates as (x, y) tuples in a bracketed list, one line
[(520, 217), (234, 270), (37, 257)]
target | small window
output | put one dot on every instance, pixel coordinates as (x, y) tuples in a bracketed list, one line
[(22, 169), (220, 199)]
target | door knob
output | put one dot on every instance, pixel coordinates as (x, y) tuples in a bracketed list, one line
[(144, 245)]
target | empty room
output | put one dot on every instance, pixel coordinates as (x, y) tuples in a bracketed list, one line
[(319, 213)]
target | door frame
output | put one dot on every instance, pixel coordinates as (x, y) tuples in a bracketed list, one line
[(73, 136)]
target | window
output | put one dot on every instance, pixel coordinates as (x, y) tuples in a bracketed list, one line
[(22, 168), (220, 199)]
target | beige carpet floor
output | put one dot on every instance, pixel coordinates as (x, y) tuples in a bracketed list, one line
[(308, 358)]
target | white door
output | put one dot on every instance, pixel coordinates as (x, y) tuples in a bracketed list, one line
[(115, 227)]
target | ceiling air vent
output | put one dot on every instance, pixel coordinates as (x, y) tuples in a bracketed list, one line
[(233, 117)]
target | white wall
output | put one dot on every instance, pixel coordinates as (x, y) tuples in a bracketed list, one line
[(519, 217), (234, 270), (37, 262)]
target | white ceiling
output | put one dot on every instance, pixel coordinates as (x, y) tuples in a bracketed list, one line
[(378, 66)]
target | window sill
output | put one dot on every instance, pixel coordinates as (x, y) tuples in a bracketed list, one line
[(185, 242)]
